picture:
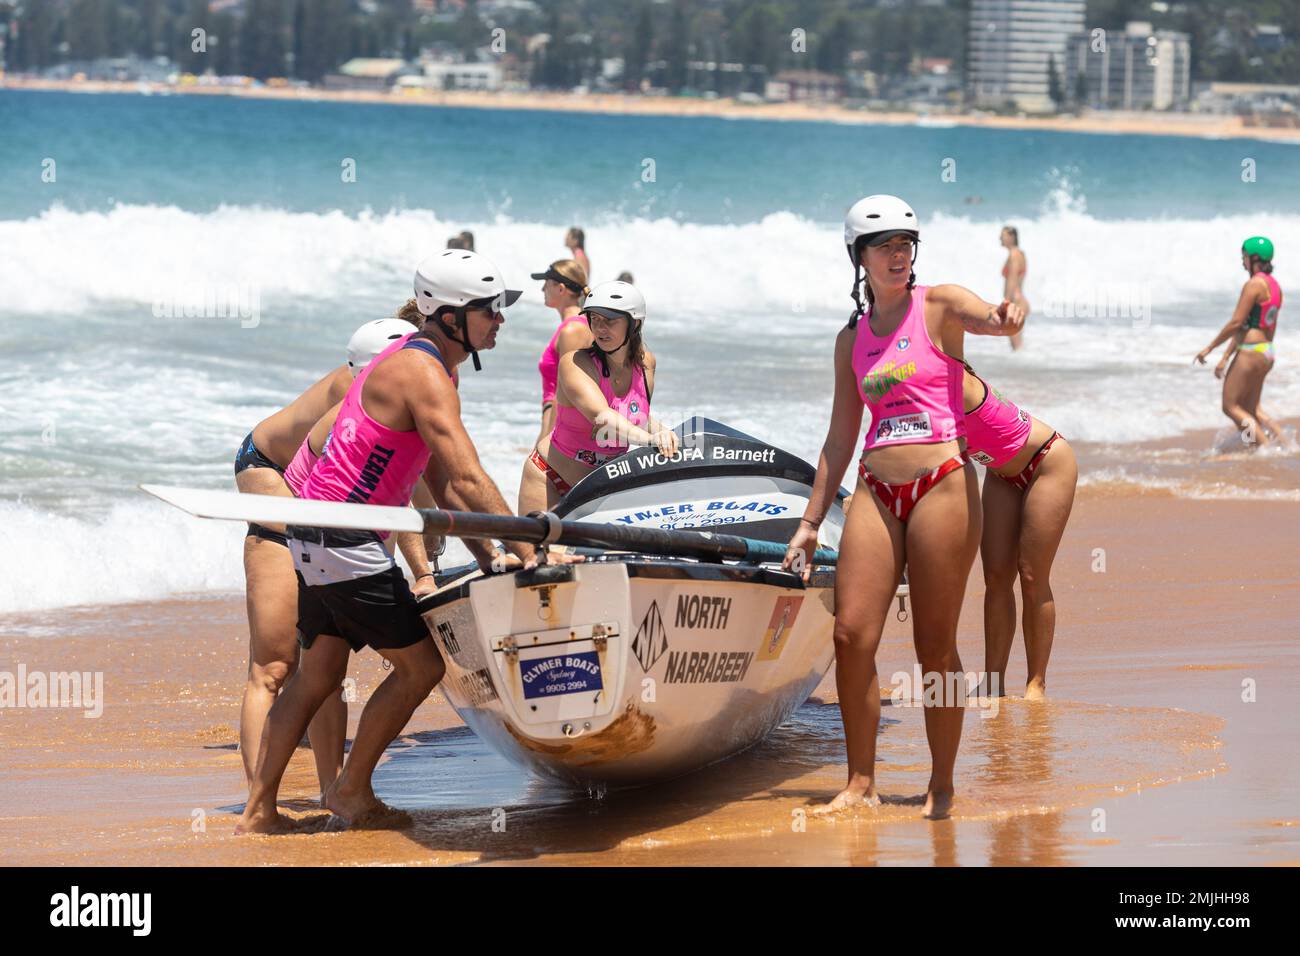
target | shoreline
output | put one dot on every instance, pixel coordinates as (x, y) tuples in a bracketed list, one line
[(1146, 719), (1195, 125)]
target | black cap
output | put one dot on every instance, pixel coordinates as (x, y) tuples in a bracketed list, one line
[(571, 284)]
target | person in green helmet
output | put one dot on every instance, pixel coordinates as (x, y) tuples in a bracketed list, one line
[(1249, 357)]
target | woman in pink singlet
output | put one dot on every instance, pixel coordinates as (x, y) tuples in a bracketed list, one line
[(602, 401), (564, 288), (1027, 498), (917, 501)]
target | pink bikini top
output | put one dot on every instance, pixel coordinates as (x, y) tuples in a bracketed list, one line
[(912, 389), (549, 366), (573, 436), (364, 461), (997, 429)]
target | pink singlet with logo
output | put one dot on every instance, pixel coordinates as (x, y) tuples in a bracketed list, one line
[(304, 460), (364, 461), (911, 388), (572, 435)]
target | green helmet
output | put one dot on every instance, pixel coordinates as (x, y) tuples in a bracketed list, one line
[(1258, 246)]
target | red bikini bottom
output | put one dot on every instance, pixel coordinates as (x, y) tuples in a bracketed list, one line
[(902, 498)]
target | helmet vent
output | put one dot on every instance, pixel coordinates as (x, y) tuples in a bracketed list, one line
[(486, 279), (873, 215), (615, 295)]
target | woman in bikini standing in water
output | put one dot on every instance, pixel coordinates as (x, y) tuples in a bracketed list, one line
[(564, 289), (917, 502), (602, 401), (1027, 498), (1013, 277), (1250, 334)]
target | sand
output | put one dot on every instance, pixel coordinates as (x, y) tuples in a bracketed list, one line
[(1203, 125), (1167, 739)]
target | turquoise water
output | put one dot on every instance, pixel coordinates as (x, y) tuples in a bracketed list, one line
[(158, 201)]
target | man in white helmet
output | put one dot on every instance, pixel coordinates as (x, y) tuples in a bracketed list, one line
[(400, 420), (271, 591)]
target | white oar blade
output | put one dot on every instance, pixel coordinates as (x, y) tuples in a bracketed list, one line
[(276, 509)]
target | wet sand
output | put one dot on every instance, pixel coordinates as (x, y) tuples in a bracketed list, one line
[(1145, 752), (1144, 122)]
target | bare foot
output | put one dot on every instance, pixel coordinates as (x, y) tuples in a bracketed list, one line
[(261, 820), (1036, 690), (849, 797), (937, 805), (365, 811)]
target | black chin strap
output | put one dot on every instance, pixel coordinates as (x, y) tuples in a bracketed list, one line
[(462, 326)]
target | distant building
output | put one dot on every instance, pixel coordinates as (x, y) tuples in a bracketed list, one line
[(804, 86), (442, 75), (366, 73), (1010, 45), (1141, 69)]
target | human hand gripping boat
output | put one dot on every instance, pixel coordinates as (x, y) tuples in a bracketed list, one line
[(675, 644)]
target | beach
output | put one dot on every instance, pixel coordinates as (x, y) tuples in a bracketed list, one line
[(180, 267), (1149, 123), (1164, 739)]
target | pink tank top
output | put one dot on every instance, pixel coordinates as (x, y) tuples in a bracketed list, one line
[(912, 389), (549, 366), (364, 461), (1269, 310), (572, 435), (303, 462), (996, 430)]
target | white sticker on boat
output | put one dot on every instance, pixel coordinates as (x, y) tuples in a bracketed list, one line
[(705, 512)]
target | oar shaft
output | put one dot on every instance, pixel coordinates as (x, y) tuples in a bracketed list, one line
[(692, 544)]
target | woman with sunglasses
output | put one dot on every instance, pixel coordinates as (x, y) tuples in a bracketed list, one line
[(564, 289), (602, 401)]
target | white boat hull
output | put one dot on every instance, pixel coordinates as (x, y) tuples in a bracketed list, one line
[(627, 671)]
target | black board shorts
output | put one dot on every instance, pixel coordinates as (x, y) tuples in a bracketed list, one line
[(378, 610)]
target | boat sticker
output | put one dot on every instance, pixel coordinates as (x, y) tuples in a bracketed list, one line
[(779, 627), (704, 512), (904, 427), (560, 674), (705, 667), (651, 639), (701, 611), (448, 635), (477, 687)]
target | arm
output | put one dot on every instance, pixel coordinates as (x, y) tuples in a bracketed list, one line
[(964, 310), (837, 450), (454, 475), (419, 547), (1237, 324)]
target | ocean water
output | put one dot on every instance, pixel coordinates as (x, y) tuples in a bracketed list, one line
[(731, 227)]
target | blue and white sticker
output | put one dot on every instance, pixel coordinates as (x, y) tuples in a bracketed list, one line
[(560, 674), (903, 343)]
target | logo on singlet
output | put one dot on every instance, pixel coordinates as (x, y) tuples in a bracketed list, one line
[(982, 457), (877, 383), (903, 427), (903, 343), (348, 429), (634, 407)]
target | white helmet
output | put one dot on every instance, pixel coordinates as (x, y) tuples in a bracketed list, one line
[(372, 338), (459, 278), (879, 217), (617, 297)]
